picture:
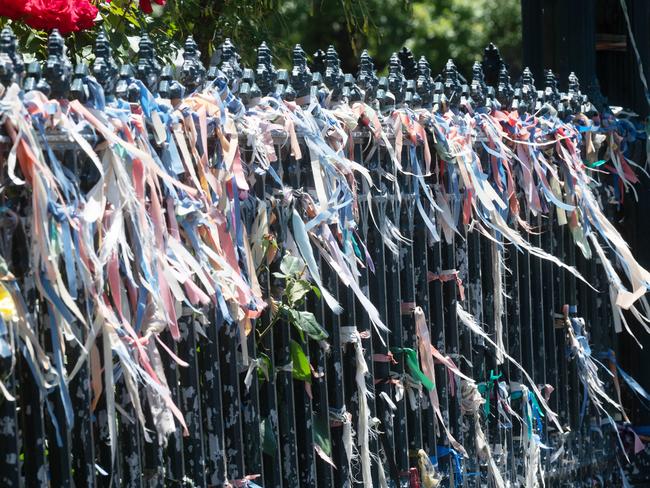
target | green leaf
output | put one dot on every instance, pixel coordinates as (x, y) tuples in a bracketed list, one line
[(321, 434), (264, 370), (296, 290), (291, 265), (301, 370), (317, 292), (269, 445), (306, 321)]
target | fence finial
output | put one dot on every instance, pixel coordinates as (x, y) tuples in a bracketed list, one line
[(478, 88), (58, 69), (300, 75), (334, 77), (265, 74), (578, 101), (351, 91), (424, 82), (409, 68), (168, 87), (230, 63), (551, 94), (7, 73), (78, 87), (396, 80), (505, 91), (451, 83), (9, 46), (125, 88), (104, 68), (248, 89), (409, 65), (366, 77), (192, 72), (148, 69), (492, 64), (32, 76), (525, 94)]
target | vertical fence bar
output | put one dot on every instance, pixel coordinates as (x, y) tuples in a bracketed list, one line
[(452, 348), (269, 432), (537, 306), (363, 320), (378, 293), (318, 354), (153, 464), (173, 453), (303, 391), (335, 382), (525, 310), (550, 353), (56, 428), (284, 373), (408, 301), (32, 428), (437, 321), (511, 257), (250, 400), (10, 431), (464, 358), (394, 322), (190, 400), (487, 285), (421, 244), (130, 438), (230, 400), (211, 391), (83, 460), (9, 434), (559, 300), (475, 304), (537, 314), (574, 390)]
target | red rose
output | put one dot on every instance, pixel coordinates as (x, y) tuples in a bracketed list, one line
[(47, 15), (13, 9), (65, 15), (86, 13), (145, 5)]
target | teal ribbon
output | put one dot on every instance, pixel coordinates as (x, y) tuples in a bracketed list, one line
[(595, 164), (486, 387)]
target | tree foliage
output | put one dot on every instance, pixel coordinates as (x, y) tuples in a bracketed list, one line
[(437, 29)]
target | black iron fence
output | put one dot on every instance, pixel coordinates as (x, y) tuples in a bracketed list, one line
[(205, 225)]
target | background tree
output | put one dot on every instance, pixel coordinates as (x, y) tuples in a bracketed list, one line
[(437, 29)]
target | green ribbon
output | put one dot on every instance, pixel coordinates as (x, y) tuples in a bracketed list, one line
[(485, 388), (595, 164), (411, 357)]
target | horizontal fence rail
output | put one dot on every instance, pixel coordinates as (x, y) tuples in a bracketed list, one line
[(237, 277)]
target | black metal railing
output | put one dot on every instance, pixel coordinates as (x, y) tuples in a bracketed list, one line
[(252, 414)]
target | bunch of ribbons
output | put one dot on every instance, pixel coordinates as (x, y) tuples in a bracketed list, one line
[(166, 220)]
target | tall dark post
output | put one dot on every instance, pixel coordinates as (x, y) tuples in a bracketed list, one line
[(561, 36)]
